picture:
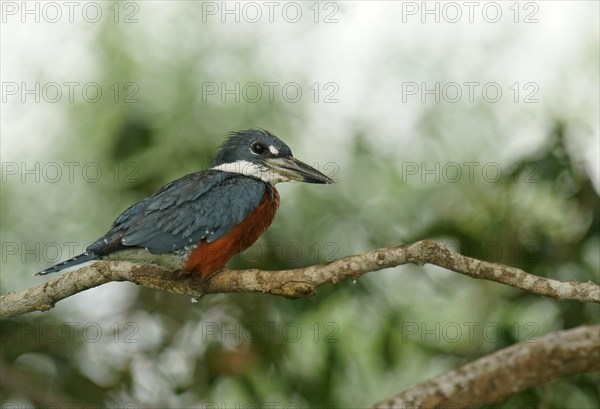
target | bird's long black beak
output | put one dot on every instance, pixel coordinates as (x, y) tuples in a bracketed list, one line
[(293, 169)]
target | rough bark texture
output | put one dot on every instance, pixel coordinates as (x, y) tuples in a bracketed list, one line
[(296, 283), (487, 380), (511, 370)]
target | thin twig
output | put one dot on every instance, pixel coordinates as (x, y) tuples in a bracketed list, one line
[(296, 283)]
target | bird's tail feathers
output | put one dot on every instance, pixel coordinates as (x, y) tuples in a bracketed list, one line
[(80, 259)]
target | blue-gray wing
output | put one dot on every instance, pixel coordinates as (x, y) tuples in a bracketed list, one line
[(201, 205)]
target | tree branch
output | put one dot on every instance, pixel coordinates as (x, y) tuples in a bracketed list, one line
[(494, 377), (289, 283)]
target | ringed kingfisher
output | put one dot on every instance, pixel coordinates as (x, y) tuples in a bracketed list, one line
[(199, 221)]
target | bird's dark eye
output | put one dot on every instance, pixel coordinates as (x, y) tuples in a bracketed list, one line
[(258, 148)]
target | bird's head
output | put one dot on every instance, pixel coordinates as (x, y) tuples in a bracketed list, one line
[(259, 153)]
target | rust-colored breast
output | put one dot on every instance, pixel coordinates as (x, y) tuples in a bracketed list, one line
[(209, 258)]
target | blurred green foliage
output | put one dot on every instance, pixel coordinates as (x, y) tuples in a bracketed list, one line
[(353, 343)]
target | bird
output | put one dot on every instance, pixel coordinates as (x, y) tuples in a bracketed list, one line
[(198, 222)]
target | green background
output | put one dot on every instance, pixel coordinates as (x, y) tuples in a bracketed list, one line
[(526, 195)]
